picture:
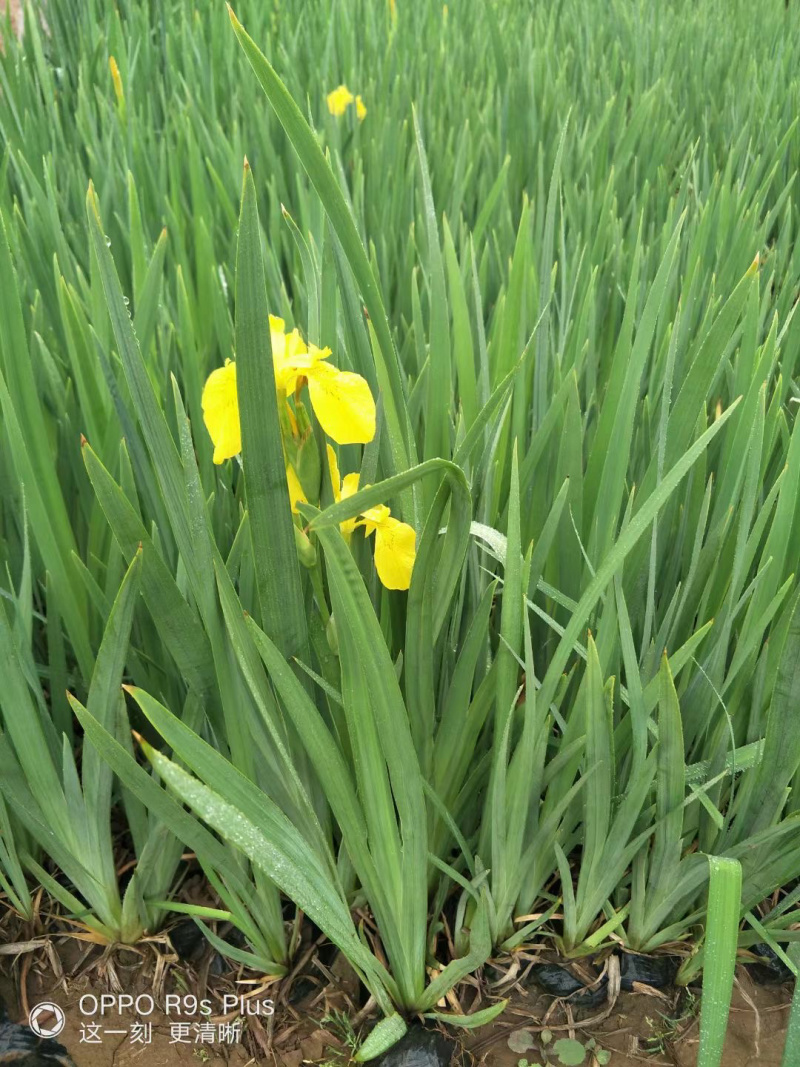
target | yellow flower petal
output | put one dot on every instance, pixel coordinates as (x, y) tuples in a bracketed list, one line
[(343, 404), (372, 518), (361, 110), (315, 354), (395, 546), (296, 494), (297, 361), (342, 490), (290, 357), (221, 412), (333, 467), (395, 552), (349, 485), (339, 99)]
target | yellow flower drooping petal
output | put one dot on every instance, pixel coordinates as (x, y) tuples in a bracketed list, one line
[(361, 109), (342, 489), (395, 551), (296, 494), (339, 100), (395, 546), (221, 412), (342, 402)]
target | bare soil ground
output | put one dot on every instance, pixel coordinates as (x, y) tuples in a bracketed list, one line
[(644, 1029), (660, 1030)]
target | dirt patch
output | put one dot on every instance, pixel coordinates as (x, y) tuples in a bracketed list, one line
[(157, 1039), (661, 1031), (123, 1039), (181, 1014), (756, 1035)]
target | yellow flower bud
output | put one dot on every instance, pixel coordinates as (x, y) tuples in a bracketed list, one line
[(117, 79)]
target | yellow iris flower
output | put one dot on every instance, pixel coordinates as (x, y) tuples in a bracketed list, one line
[(341, 400), (346, 411), (339, 100), (395, 546), (395, 541)]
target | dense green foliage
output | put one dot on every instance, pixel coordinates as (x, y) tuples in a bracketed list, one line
[(562, 249)]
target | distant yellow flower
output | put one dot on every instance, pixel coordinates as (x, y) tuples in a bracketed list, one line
[(342, 489), (116, 78), (339, 100), (395, 546), (393, 11), (221, 412)]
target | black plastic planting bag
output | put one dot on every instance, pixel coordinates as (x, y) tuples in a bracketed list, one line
[(419, 1048), (20, 1047)]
